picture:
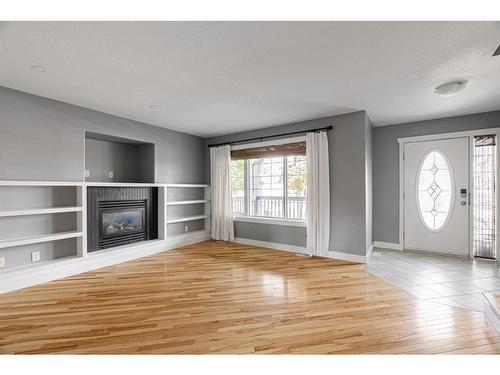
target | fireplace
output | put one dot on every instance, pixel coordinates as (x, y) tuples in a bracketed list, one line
[(120, 215), (122, 222)]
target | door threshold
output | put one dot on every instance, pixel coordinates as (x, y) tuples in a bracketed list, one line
[(426, 252)]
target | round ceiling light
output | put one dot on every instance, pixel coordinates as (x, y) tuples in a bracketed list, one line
[(38, 68), (450, 88), (154, 106)]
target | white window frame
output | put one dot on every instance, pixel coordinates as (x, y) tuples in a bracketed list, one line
[(261, 219)]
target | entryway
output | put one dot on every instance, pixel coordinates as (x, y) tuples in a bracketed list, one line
[(448, 194), (443, 279), (436, 196)]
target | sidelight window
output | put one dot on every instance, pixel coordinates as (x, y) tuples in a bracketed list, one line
[(484, 207)]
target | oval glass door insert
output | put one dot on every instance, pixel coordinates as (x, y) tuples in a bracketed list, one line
[(434, 190)]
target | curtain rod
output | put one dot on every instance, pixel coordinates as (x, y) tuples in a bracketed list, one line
[(326, 128)]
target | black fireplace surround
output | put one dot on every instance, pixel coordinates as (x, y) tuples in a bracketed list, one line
[(120, 216)]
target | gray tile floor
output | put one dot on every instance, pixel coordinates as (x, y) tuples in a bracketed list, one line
[(443, 279)]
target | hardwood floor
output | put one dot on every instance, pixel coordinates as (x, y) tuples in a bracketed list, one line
[(229, 298)]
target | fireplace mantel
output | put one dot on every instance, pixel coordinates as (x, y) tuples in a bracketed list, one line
[(122, 184)]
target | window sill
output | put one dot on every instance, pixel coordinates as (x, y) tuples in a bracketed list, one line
[(269, 220)]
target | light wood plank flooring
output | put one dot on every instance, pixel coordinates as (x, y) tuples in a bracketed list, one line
[(228, 298)]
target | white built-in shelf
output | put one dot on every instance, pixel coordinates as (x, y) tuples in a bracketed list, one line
[(144, 184), (39, 183), (38, 211), (123, 184), (29, 240), (39, 264), (167, 205), (186, 218), (187, 185), (187, 234), (177, 203)]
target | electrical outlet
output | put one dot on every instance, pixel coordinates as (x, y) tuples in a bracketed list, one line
[(86, 173), (35, 256), (110, 174), (186, 228), (2, 262)]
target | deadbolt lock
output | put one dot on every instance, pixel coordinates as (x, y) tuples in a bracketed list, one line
[(463, 193)]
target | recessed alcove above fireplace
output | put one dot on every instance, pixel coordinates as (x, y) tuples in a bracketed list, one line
[(121, 215), (114, 159)]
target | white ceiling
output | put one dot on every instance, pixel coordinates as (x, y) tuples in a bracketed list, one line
[(212, 78)]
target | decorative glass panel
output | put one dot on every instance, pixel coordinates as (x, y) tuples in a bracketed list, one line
[(485, 192), (434, 190)]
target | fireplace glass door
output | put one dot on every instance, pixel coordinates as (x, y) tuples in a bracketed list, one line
[(122, 222)]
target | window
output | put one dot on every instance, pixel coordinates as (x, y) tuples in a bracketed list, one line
[(238, 186), (266, 191), (296, 187), (484, 208), (434, 193), (272, 185)]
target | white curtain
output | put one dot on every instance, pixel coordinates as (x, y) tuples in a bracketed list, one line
[(220, 172), (318, 194)]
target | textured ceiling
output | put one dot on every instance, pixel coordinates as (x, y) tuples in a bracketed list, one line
[(212, 78)]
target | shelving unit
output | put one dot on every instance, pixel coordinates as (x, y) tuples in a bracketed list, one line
[(169, 191), (186, 218), (22, 200), (38, 211), (34, 266), (187, 185), (39, 238), (39, 183), (178, 203), (45, 198)]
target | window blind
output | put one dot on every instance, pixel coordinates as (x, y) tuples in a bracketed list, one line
[(296, 148)]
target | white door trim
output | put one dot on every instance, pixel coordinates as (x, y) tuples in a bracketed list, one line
[(439, 136), (442, 136)]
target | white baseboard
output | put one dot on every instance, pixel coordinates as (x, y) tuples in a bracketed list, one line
[(346, 256), (14, 280), (299, 249), (387, 245), (271, 245), (369, 251)]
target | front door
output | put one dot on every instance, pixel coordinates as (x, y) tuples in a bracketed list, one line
[(436, 196)]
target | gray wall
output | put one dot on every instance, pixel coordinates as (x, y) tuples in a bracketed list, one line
[(128, 162), (386, 164), (289, 235), (348, 147), (42, 139)]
